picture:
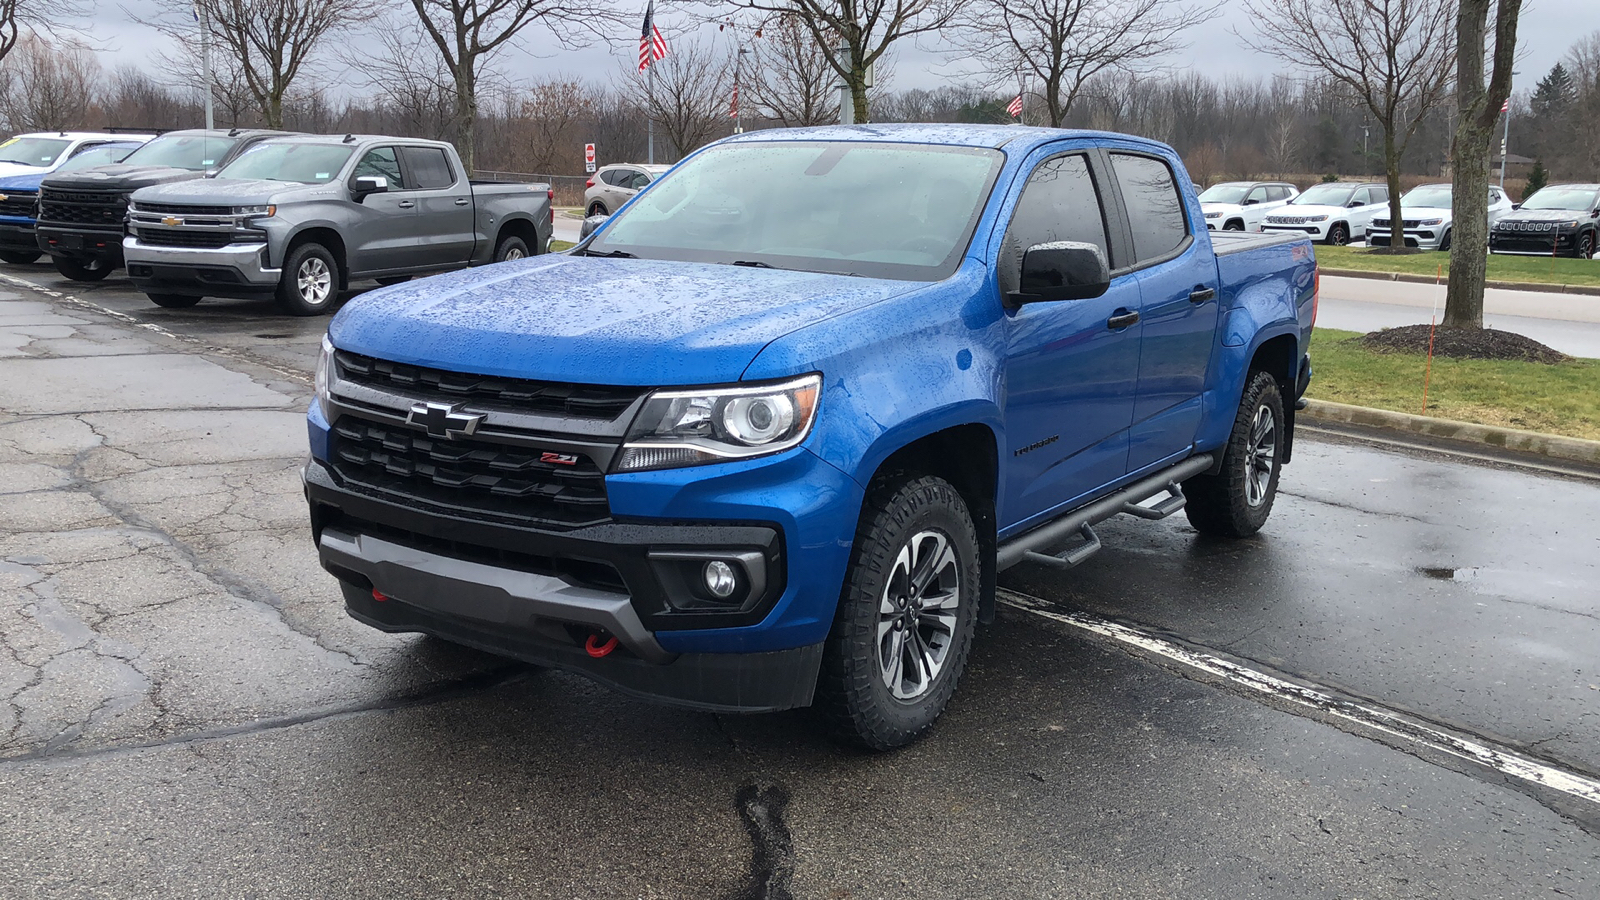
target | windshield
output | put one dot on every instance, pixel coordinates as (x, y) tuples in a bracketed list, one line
[(1225, 193), (195, 152), (1431, 197), (105, 155), (288, 161), (32, 151), (1325, 195), (882, 210), (1562, 198)]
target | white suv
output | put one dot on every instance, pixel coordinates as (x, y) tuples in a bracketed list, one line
[(1335, 212), (45, 151), (1242, 205), (1428, 211)]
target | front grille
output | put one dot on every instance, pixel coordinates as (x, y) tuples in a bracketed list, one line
[(580, 400), (1525, 226), (472, 477), (161, 237), (178, 209), (18, 203), (103, 208)]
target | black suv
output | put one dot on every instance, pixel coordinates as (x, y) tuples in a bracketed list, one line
[(83, 215), (1558, 220)]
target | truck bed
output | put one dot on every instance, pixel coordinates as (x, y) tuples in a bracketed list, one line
[(1226, 242)]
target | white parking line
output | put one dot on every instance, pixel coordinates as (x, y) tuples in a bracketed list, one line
[(1403, 728)]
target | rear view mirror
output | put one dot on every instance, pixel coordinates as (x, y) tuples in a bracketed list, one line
[(591, 225), (368, 184), (1062, 270)]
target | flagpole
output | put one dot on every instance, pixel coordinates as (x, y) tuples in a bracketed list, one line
[(650, 116), (205, 58)]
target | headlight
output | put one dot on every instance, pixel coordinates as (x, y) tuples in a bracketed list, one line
[(1316, 218), (268, 210), (324, 368), (715, 424), (1213, 215), (1431, 222), (1571, 224)]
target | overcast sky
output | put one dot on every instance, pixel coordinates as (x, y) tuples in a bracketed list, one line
[(1548, 29)]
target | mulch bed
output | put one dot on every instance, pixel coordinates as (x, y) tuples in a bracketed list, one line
[(1461, 343)]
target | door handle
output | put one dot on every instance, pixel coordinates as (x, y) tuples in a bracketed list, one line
[(462, 201), (1122, 319), (1201, 294), (406, 204)]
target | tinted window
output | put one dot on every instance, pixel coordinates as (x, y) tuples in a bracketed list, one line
[(616, 177), (382, 163), (1380, 195), (1277, 192), (638, 181), (1362, 197), (429, 167), (1155, 210), (1059, 204)]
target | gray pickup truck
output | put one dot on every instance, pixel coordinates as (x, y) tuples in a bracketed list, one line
[(300, 218)]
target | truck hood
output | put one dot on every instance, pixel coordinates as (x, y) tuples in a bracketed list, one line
[(1421, 212), (229, 191), (9, 169), (21, 182), (598, 321), (120, 177)]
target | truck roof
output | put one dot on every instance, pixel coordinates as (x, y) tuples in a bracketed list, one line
[(1021, 137), (359, 139)]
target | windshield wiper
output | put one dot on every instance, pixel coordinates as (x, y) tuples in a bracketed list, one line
[(611, 254), (754, 264), (22, 162)]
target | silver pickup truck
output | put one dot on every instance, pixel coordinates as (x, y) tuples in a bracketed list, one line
[(300, 218)]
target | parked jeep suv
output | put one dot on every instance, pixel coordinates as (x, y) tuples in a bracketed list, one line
[(1558, 220)]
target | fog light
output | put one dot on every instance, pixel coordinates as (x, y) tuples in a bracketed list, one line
[(720, 580)]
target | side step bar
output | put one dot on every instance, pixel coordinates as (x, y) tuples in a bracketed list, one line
[(1027, 546)]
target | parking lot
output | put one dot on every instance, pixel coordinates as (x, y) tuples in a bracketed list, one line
[(1393, 691)]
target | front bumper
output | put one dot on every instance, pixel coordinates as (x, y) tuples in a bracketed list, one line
[(81, 244), (1316, 232), (17, 236), (235, 270), (1549, 243), (1420, 238)]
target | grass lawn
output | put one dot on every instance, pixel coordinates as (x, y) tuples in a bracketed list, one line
[(1540, 269), (558, 246), (1558, 399)]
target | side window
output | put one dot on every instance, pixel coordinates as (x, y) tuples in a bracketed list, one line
[(1060, 203), (1362, 197), (429, 168), (1277, 192), (381, 162), (1155, 209), (1380, 195), (639, 180), (1257, 195), (617, 177), (86, 145)]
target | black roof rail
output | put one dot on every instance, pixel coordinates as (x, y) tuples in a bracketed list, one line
[(133, 129)]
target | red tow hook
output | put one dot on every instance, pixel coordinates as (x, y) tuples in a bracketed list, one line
[(379, 596), (596, 648)]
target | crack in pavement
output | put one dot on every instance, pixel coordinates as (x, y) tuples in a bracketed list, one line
[(772, 846)]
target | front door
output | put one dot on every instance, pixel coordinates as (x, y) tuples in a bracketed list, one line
[(445, 219), (382, 234), (1070, 374)]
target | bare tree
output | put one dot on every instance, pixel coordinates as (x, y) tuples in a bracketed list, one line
[(792, 80), (1058, 45), (269, 43), (547, 118), (468, 32), (47, 85), (689, 96), (1395, 56), (1478, 114), (854, 35), (408, 80), (18, 18)]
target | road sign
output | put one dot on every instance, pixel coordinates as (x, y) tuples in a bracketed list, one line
[(588, 158)]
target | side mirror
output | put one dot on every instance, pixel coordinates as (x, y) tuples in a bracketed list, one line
[(591, 225), (364, 185), (1354, 204), (1250, 202), (1063, 270), (1516, 206)]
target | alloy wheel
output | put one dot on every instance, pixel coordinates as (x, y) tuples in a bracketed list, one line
[(917, 615), (513, 253), (1261, 456), (316, 282)]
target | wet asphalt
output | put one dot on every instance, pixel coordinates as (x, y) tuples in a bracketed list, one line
[(188, 713)]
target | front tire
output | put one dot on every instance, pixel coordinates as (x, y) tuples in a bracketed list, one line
[(1339, 235), (1235, 225), (597, 209), (1444, 243), (1236, 501), (310, 281), (906, 616), (91, 271), (510, 248), (173, 301), (20, 257), (1585, 248)]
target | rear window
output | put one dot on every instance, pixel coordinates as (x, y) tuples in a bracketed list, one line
[(1155, 210), (428, 166)]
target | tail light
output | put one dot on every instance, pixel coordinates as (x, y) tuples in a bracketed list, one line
[(1316, 291), (589, 183)]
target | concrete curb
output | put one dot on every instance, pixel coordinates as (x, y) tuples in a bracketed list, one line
[(1500, 285), (1551, 446)]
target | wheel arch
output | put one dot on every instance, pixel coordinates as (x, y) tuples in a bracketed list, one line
[(327, 236), (518, 226)]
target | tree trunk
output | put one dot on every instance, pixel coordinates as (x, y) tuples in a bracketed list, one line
[(275, 111), (858, 93), (466, 114), (1391, 171)]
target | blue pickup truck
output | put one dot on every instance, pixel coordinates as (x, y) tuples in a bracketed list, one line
[(766, 438)]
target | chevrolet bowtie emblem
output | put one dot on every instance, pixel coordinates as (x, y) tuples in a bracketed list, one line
[(443, 420), (4, 197), (172, 221)]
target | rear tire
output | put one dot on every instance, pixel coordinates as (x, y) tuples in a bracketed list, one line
[(897, 650), (310, 281), (93, 270), (173, 301), (20, 257), (1236, 501), (510, 248)]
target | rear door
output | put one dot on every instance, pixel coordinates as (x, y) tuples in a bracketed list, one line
[(382, 234), (1178, 302), (1071, 366), (443, 196)]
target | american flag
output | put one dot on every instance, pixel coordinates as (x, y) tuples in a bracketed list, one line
[(1506, 106), (652, 46), (1015, 106), (733, 111)]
